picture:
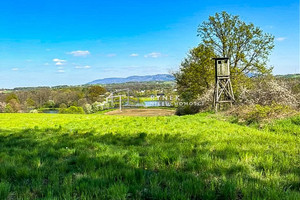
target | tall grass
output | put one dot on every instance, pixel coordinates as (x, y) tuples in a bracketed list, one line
[(46, 156)]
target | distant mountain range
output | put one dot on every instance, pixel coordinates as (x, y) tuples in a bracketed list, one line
[(147, 78)]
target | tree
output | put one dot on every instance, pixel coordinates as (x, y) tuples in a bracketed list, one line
[(11, 96), (8, 109), (13, 106), (2, 107), (245, 45), (224, 35), (30, 103), (72, 110), (196, 74), (63, 106), (42, 96), (49, 104), (95, 91)]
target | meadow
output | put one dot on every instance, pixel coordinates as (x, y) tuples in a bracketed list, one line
[(58, 156)]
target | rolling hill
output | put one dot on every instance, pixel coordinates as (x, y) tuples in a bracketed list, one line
[(147, 78)]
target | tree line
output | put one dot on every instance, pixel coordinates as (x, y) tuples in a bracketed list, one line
[(79, 99), (30, 99)]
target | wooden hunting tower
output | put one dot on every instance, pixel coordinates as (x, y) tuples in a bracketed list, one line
[(223, 89)]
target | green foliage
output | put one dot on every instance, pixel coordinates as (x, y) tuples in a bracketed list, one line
[(12, 107), (95, 91), (63, 105), (71, 110), (8, 109), (247, 46), (30, 102), (196, 74), (187, 110), (113, 157), (97, 106), (34, 111), (260, 113), (11, 96), (254, 114), (49, 104), (88, 109), (224, 35), (46, 97)]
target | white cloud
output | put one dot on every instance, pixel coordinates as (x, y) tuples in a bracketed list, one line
[(15, 69), (280, 39), (83, 67), (111, 55), (59, 63), (61, 71), (58, 60), (153, 55), (134, 55), (79, 53)]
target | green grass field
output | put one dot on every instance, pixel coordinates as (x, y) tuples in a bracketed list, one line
[(48, 156)]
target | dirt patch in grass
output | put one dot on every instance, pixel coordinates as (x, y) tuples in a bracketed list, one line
[(142, 112)]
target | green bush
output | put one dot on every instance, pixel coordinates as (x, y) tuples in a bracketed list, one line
[(72, 110), (8, 109), (257, 113), (187, 110), (261, 113), (63, 105)]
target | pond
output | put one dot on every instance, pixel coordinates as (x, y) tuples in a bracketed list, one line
[(50, 111)]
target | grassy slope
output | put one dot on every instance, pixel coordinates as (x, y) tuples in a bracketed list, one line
[(114, 157)]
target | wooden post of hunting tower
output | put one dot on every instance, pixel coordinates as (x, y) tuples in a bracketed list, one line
[(223, 89)]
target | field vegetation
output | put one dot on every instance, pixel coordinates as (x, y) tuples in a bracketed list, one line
[(44, 156)]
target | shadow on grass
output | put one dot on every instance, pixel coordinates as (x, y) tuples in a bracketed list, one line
[(64, 164)]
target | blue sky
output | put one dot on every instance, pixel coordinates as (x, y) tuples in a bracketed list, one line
[(51, 42)]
